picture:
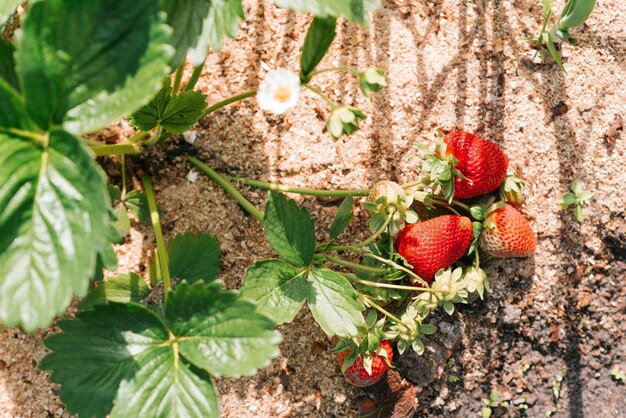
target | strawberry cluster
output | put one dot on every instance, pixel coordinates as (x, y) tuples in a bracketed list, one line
[(466, 175)]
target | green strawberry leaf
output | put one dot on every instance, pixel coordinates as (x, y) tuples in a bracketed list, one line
[(200, 24), (123, 288), (343, 218), (123, 360), (85, 64), (99, 350), (166, 385), (176, 113), (194, 257), (12, 110), (137, 203), (7, 64), (278, 289), (121, 224), (50, 232), (219, 332), (333, 303), (355, 10), (289, 229), (318, 39)]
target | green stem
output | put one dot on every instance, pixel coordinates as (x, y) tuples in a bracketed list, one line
[(398, 267), (342, 248), (477, 264), (158, 235), (415, 183), (226, 185), (156, 135), (197, 71), (123, 196), (344, 69), (38, 138), (228, 101), (354, 266), (117, 149), (378, 232), (312, 192), (454, 202), (395, 286), (368, 302), (543, 29), (178, 78), (322, 95), (138, 137), (447, 206)]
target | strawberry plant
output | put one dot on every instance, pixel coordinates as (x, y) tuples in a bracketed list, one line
[(410, 266), (145, 346), (574, 14)]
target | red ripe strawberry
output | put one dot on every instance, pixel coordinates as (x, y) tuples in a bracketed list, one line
[(507, 234), (482, 163), (358, 376), (434, 244)]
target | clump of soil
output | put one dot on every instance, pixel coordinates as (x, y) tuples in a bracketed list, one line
[(451, 65)]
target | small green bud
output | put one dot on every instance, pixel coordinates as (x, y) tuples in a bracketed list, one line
[(388, 189), (344, 119), (371, 80), (512, 190)]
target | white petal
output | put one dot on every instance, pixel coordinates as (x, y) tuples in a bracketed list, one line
[(279, 91), (192, 176)]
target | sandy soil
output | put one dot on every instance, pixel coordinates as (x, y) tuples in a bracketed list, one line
[(452, 64)]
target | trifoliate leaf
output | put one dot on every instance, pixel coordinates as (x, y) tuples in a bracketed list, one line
[(278, 289), (356, 10), (123, 288), (220, 332), (343, 217), (289, 229), (194, 257), (85, 64), (176, 113), (123, 360), (54, 217), (333, 303)]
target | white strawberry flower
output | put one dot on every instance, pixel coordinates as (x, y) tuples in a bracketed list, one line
[(279, 91)]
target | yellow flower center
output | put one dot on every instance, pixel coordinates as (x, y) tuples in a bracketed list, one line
[(282, 94)]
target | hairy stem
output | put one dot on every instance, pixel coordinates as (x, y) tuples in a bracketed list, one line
[(178, 78), (354, 266), (368, 302), (226, 185), (394, 286), (197, 71), (228, 101), (117, 149), (398, 267), (342, 69), (312, 192), (158, 235), (322, 95), (378, 232)]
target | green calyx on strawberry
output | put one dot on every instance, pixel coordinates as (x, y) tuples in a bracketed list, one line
[(365, 358), (441, 168), (465, 165), (434, 244), (408, 333), (476, 281), (388, 199), (479, 212), (512, 190), (449, 288)]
